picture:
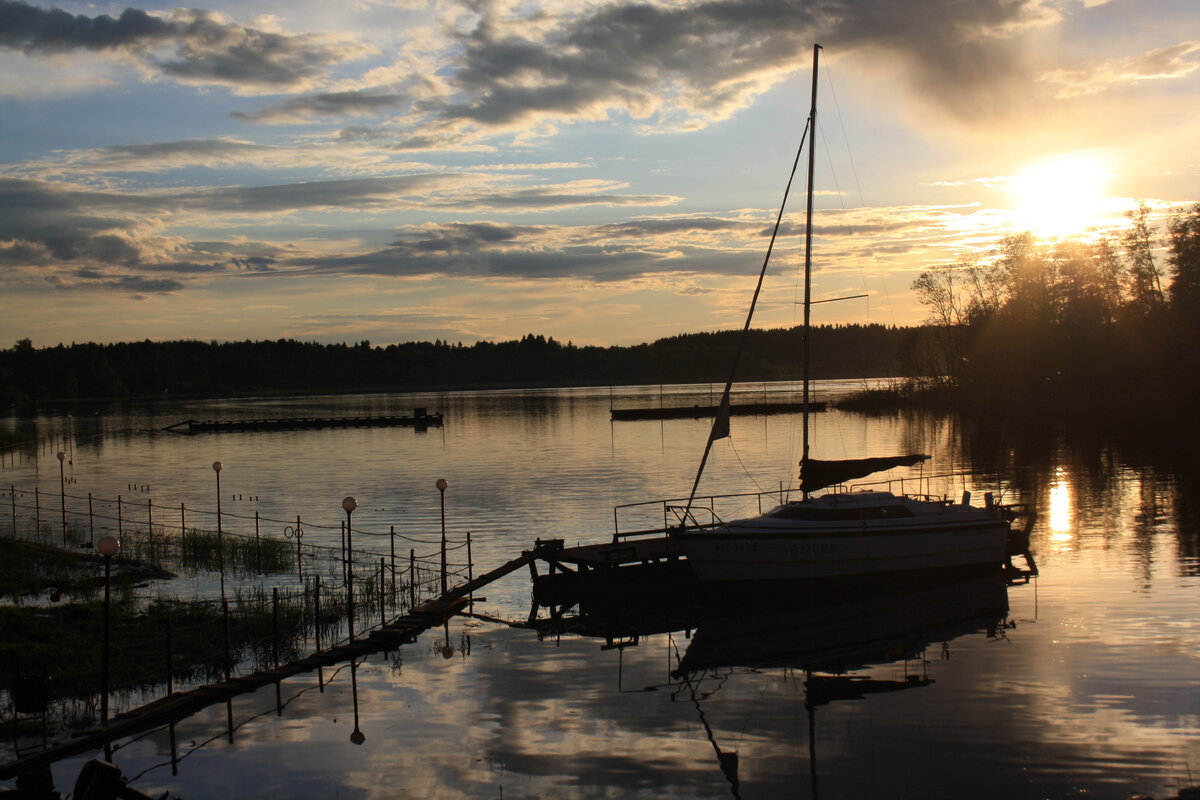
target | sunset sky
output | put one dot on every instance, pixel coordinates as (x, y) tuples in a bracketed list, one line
[(599, 172)]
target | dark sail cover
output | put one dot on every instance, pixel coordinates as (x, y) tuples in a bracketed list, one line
[(816, 475)]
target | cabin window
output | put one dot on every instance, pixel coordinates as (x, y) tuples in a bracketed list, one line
[(847, 514)]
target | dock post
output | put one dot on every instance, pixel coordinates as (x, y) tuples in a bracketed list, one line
[(393, 544), (299, 553), (412, 579), (37, 516), (170, 671), (91, 522), (382, 612), (470, 570), (12, 495), (174, 752), (225, 615), (275, 626), (182, 519), (317, 609), (109, 547), (150, 517), (120, 520), (62, 488)]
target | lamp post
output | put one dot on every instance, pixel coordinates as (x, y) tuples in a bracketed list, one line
[(108, 546), (62, 493), (221, 565), (350, 504), (217, 469), (220, 533), (441, 485)]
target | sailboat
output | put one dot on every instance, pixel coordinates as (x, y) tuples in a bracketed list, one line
[(843, 533)]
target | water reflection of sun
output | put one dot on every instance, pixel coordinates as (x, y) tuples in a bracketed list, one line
[(1061, 517), (1061, 197)]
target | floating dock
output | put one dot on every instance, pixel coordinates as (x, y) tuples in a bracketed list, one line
[(420, 420), (696, 412)]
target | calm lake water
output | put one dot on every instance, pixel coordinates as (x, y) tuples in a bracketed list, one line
[(1082, 683)]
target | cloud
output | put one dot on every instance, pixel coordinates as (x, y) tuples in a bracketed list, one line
[(58, 229), (76, 238), (34, 29), (703, 59), (221, 153), (687, 65), (130, 284), (549, 197), (1164, 63), (323, 105), (599, 254), (189, 45), (512, 70), (658, 227)]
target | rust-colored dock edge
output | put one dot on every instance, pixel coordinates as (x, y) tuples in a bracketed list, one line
[(401, 630), (420, 420), (697, 411)]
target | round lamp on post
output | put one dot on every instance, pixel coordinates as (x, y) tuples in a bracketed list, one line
[(62, 489), (109, 546), (441, 485), (349, 504)]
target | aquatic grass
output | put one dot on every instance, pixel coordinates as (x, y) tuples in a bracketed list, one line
[(31, 569), (202, 550), (63, 643), (58, 646)]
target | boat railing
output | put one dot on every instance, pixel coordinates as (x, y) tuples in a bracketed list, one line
[(921, 487), (702, 513)]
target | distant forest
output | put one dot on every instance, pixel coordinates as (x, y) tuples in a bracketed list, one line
[(132, 369)]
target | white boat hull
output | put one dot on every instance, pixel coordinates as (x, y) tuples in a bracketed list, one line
[(772, 549)]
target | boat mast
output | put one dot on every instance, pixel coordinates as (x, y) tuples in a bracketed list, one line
[(808, 229)]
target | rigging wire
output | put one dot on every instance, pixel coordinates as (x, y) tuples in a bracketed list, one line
[(742, 464)]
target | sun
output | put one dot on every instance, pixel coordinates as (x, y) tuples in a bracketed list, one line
[(1061, 197)]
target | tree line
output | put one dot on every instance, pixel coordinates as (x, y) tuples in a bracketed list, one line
[(1095, 323), (173, 368)]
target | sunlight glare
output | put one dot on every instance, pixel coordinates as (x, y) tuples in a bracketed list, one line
[(1061, 197), (1060, 512)]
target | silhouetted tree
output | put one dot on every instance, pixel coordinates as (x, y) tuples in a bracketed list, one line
[(1145, 285), (1183, 242)]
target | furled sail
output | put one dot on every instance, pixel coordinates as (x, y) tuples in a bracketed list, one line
[(816, 475)]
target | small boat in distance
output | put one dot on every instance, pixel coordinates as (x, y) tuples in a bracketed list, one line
[(843, 534)]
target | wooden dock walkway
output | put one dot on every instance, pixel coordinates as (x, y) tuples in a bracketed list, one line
[(420, 420), (696, 412), (401, 630)]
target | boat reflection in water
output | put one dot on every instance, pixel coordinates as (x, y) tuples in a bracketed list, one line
[(835, 644)]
